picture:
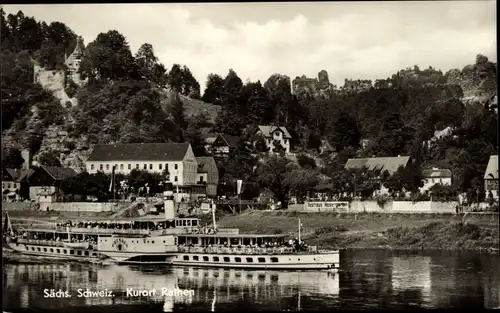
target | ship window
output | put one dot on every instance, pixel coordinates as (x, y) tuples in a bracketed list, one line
[(44, 249), (196, 258), (86, 253), (130, 166), (79, 252), (58, 250), (237, 259), (32, 248), (186, 258), (71, 251), (163, 241), (274, 260), (65, 251), (216, 259), (205, 258), (250, 260), (188, 223), (94, 254), (152, 241), (176, 166), (226, 259), (262, 260), (51, 250), (195, 222), (183, 222)]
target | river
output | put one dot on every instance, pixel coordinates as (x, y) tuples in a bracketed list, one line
[(368, 279)]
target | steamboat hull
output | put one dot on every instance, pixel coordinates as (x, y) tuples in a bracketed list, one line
[(301, 261), (55, 252)]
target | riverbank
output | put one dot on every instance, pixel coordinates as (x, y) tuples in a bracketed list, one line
[(472, 232)]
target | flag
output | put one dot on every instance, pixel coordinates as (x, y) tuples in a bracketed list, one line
[(239, 183), (112, 183), (7, 226)]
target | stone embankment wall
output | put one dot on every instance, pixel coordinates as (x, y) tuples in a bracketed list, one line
[(374, 207), (63, 206)]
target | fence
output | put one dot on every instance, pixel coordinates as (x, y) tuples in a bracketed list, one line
[(376, 207)]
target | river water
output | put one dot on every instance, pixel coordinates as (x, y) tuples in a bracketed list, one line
[(368, 279)]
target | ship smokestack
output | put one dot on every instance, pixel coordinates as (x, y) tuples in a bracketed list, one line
[(168, 197)]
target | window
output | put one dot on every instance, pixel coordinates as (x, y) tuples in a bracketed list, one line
[(186, 258), (101, 167), (65, 251), (71, 252), (44, 249), (107, 167), (79, 252), (58, 250), (166, 166), (216, 259), (150, 166), (51, 250), (159, 166), (205, 258), (274, 260), (250, 260), (226, 259), (91, 166), (137, 166), (176, 166), (196, 258), (86, 253), (175, 178), (262, 260), (237, 259), (130, 166), (121, 166), (145, 166)]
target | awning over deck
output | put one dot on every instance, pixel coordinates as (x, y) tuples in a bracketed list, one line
[(236, 236)]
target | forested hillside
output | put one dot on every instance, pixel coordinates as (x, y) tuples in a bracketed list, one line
[(131, 98)]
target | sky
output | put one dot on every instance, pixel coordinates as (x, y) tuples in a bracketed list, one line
[(354, 40)]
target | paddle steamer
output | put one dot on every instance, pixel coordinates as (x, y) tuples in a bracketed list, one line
[(213, 247)]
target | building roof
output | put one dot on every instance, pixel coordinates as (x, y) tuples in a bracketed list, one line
[(389, 164), (436, 173), (206, 164), (492, 168), (19, 175), (231, 141), (139, 152), (267, 130), (59, 173)]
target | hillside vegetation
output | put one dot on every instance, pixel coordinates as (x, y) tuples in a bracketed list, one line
[(131, 98)]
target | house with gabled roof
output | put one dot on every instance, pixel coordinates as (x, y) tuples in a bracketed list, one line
[(379, 165), (491, 177), (14, 183), (177, 159), (45, 182), (223, 144), (208, 175), (433, 176), (274, 136)]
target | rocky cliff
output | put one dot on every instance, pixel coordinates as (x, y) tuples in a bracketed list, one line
[(313, 87)]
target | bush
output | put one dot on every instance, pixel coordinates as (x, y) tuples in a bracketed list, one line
[(71, 88)]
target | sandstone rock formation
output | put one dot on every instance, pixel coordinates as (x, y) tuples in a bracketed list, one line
[(313, 87)]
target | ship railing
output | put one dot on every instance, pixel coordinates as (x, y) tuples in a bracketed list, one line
[(39, 242), (106, 231), (227, 250)]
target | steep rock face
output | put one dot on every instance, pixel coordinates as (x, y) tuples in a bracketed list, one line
[(478, 81), (53, 81), (313, 87), (357, 85)]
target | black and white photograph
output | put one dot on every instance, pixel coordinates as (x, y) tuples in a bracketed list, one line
[(249, 156)]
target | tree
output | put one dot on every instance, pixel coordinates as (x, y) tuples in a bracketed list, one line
[(213, 89), (148, 65), (178, 113), (407, 178), (274, 175), (49, 158), (346, 132), (13, 159), (231, 91), (108, 57), (193, 135)]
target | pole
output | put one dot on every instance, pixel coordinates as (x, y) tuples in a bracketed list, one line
[(299, 231)]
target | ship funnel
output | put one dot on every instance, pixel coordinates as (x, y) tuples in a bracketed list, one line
[(168, 202)]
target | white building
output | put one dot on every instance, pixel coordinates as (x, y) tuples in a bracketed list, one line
[(491, 177), (435, 176), (274, 135), (177, 158)]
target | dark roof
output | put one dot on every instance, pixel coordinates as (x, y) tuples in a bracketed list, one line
[(232, 141), (436, 172), (390, 164), (492, 168), (59, 173), (19, 175), (206, 164), (267, 130), (139, 152)]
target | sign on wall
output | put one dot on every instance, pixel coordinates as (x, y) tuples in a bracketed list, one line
[(328, 206)]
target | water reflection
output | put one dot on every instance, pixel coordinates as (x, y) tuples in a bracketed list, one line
[(368, 279)]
